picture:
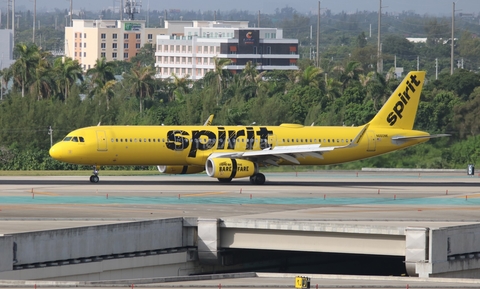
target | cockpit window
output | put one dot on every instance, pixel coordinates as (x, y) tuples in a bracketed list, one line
[(68, 138), (75, 139), (81, 139)]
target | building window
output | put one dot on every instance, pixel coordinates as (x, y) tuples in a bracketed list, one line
[(159, 48), (75, 54), (84, 35), (84, 54), (114, 45), (114, 36), (137, 36), (293, 50), (84, 44), (125, 55), (255, 50), (76, 35), (125, 36), (137, 45), (150, 36), (269, 49), (125, 45), (102, 54), (75, 44), (114, 55), (103, 45), (103, 36)]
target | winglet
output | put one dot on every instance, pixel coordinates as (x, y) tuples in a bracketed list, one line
[(209, 120), (400, 109)]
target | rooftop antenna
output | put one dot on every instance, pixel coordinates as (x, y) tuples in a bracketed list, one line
[(132, 7)]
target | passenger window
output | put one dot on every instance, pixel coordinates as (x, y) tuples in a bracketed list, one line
[(68, 138), (112, 140), (140, 140)]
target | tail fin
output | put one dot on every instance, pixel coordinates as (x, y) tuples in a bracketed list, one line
[(400, 109)]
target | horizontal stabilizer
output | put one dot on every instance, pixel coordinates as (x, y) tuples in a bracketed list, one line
[(419, 137)]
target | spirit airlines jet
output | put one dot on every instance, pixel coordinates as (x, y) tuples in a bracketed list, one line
[(228, 152)]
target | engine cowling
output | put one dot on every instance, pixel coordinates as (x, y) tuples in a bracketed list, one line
[(225, 168), (180, 170)]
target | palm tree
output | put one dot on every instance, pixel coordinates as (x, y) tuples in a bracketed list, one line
[(309, 76), (251, 80), (102, 72), (107, 91), (217, 78), (141, 81), (23, 69), (68, 71), (181, 86), (350, 72)]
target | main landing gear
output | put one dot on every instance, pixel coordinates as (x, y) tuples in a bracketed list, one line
[(94, 178), (257, 179)]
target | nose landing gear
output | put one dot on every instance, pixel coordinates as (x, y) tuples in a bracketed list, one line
[(94, 177)]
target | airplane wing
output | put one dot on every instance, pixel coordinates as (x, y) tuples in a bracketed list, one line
[(291, 154)]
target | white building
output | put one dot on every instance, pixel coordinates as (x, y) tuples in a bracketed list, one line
[(191, 51), (6, 48)]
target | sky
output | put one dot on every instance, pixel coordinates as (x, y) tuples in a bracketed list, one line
[(431, 7)]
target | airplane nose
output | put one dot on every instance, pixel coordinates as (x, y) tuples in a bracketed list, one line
[(55, 152)]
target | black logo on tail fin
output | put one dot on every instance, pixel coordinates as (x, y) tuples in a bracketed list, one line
[(404, 98)]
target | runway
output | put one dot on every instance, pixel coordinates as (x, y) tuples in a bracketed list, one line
[(323, 195)]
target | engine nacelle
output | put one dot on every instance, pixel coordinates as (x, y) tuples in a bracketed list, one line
[(180, 170), (224, 168)]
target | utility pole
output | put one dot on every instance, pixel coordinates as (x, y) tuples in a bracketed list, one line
[(317, 54), (453, 39), (71, 13), (379, 49), (34, 19), (258, 18), (8, 14), (436, 68), (13, 23), (50, 132)]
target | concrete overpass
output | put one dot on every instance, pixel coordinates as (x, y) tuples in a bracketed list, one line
[(185, 246)]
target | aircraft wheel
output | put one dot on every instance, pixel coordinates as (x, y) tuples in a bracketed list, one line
[(259, 179), (252, 180), (224, 180), (94, 179)]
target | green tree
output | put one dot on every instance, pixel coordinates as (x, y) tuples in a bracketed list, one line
[(217, 79), (24, 68), (140, 80), (68, 71)]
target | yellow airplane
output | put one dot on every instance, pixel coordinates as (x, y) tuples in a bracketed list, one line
[(228, 152)]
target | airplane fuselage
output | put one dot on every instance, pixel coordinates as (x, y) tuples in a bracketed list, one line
[(192, 145)]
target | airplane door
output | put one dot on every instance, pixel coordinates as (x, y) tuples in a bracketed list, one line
[(101, 141), (272, 140), (372, 141)]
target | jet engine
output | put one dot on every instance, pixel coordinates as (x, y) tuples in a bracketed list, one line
[(224, 168), (180, 170)]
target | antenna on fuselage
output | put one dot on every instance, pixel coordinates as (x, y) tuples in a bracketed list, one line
[(99, 123)]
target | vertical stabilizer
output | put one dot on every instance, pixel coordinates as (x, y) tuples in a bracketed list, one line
[(401, 108)]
